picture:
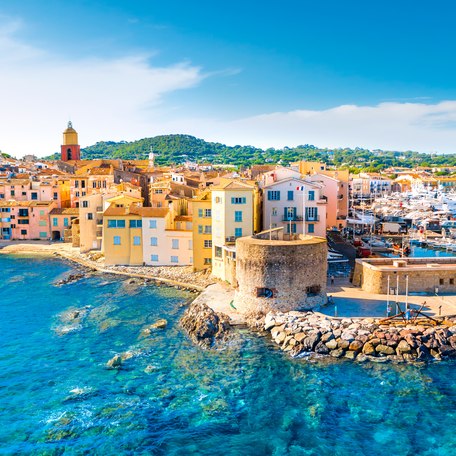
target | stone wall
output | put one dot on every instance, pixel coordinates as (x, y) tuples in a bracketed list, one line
[(424, 275), (293, 273)]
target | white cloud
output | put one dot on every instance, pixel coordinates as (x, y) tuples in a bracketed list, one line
[(392, 126), (105, 98)]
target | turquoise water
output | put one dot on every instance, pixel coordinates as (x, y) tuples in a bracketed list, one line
[(421, 252), (173, 398)]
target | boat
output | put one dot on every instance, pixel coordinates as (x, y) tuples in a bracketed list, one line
[(334, 257)]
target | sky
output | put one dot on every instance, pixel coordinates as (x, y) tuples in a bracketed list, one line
[(377, 74)]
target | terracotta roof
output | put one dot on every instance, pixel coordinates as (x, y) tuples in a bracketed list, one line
[(64, 211)]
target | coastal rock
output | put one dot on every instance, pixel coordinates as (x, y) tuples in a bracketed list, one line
[(403, 347), (300, 336), (331, 344), (350, 354), (115, 362), (356, 346), (321, 349), (447, 351), (368, 349), (423, 353), (385, 350), (338, 353), (311, 341), (159, 324), (204, 326)]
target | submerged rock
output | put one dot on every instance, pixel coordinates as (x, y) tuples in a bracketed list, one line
[(204, 326)]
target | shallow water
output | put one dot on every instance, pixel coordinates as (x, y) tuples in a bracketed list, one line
[(172, 398)]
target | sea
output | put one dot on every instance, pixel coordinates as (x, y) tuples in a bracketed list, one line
[(173, 398)]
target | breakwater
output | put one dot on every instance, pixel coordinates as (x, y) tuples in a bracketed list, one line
[(301, 334)]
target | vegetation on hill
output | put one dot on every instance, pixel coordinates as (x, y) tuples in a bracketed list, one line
[(175, 149)]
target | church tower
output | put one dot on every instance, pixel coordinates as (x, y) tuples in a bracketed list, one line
[(70, 149)]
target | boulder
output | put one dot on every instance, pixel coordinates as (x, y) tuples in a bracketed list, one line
[(403, 347), (321, 349), (350, 354), (311, 341), (159, 324), (327, 337), (356, 346), (300, 336), (348, 335), (115, 362), (384, 350), (423, 353), (341, 343), (368, 349), (337, 353), (331, 344)]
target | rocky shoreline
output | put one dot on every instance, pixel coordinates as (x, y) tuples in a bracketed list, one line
[(310, 334)]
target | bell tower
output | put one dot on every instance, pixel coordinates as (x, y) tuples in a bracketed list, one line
[(70, 149)]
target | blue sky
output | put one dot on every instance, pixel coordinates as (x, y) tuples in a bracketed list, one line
[(331, 73)]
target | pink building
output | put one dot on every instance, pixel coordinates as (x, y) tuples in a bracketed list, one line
[(25, 220)]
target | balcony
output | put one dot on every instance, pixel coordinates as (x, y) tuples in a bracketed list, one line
[(99, 222), (292, 218), (230, 239), (99, 208), (99, 234), (312, 218)]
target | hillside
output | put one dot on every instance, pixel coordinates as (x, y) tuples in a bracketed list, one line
[(175, 149)]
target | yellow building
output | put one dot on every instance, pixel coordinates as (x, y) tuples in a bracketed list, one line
[(202, 232), (234, 209), (122, 235), (308, 167)]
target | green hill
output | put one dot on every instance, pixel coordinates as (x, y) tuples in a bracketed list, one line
[(175, 149)]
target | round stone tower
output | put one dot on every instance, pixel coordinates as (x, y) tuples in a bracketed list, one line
[(280, 275), (70, 149)]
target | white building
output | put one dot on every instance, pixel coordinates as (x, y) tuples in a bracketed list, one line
[(296, 205), (166, 242)]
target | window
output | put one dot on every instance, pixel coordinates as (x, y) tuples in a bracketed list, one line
[(174, 259), (154, 241), (83, 184), (290, 195), (65, 221), (208, 244), (274, 211), (311, 195), (83, 193), (238, 232), (104, 184), (136, 240), (218, 252), (23, 222), (43, 234), (116, 223), (265, 293), (311, 228), (77, 194), (207, 261), (55, 221), (289, 213), (23, 212), (154, 258), (158, 191), (190, 244), (207, 229), (12, 193), (312, 214), (85, 204), (90, 216), (42, 223), (76, 184), (238, 216), (41, 213), (175, 243), (116, 240), (273, 195), (24, 193), (23, 232), (238, 200), (451, 281), (152, 224), (218, 199), (94, 184), (313, 290), (135, 223), (441, 281), (200, 229), (207, 212), (293, 228), (200, 213)]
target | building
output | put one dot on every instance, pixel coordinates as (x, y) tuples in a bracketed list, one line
[(61, 220), (122, 235), (275, 274), (336, 194), (25, 220), (202, 232), (70, 149), (168, 238), (295, 205), (234, 204)]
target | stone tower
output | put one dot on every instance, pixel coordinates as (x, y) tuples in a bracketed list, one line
[(70, 149)]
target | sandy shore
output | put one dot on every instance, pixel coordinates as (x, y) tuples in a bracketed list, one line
[(181, 276)]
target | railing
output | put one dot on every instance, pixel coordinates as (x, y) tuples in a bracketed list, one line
[(99, 208), (310, 218), (100, 222), (292, 218), (230, 239)]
